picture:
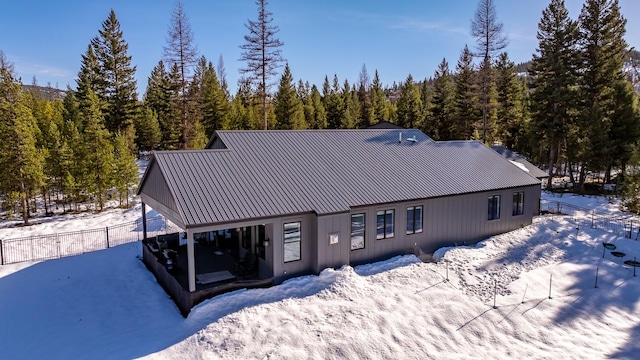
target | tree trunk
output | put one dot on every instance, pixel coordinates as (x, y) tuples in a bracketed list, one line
[(25, 204), (551, 163), (583, 173)]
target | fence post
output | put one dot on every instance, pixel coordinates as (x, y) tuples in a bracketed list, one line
[(107, 229)]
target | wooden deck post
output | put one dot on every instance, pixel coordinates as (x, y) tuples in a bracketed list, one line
[(191, 261), (144, 221)]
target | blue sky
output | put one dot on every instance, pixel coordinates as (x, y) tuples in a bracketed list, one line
[(46, 38)]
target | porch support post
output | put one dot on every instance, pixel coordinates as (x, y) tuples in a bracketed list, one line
[(144, 220), (191, 261)]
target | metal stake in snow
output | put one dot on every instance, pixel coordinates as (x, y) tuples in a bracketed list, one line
[(596, 277), (495, 289), (447, 278), (525, 293), (634, 266), (550, 277)]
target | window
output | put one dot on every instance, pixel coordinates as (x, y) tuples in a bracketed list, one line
[(292, 236), (518, 203), (414, 219), (357, 231), (384, 224), (494, 207)]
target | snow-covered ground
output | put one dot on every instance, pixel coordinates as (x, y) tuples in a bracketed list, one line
[(107, 305)]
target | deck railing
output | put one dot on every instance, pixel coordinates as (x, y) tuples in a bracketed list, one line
[(53, 246)]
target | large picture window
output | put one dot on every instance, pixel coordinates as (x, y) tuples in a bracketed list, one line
[(518, 203), (357, 231), (414, 219), (292, 241), (384, 224), (494, 207)]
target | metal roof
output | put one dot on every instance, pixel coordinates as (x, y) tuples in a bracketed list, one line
[(279, 172), (513, 156)]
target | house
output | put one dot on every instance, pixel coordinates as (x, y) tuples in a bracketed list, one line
[(306, 200)]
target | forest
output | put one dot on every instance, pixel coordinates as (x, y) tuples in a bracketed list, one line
[(572, 109)]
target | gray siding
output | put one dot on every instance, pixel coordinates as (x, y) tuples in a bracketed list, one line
[(333, 255), (156, 188), (282, 270), (447, 221)]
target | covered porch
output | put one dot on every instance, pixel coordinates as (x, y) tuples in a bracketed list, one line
[(194, 266)]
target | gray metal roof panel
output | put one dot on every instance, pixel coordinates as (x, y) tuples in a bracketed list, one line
[(271, 173), (513, 156)]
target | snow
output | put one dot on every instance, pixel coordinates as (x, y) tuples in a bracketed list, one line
[(105, 304), (520, 165)]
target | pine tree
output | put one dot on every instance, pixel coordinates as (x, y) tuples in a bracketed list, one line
[(319, 119), (351, 112), (602, 30), (333, 102), (90, 77), (378, 100), (554, 74), (147, 129), (22, 162), (262, 53), (117, 77), (160, 97), (410, 105), (367, 111), (288, 108), (213, 102), (510, 117), (97, 152), (125, 169), (440, 128), (468, 108), (490, 39), (181, 53)]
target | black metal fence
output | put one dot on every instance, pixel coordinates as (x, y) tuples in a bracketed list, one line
[(625, 225), (53, 246)]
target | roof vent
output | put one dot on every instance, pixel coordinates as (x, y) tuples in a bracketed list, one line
[(412, 139), (400, 137)]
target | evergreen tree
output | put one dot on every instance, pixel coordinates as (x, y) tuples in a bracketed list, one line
[(288, 108), (181, 53), (90, 77), (351, 111), (117, 78), (333, 102), (554, 73), (602, 30), (410, 105), (378, 100), (147, 129), (160, 97), (22, 162), (319, 118), (262, 53), (509, 101), (468, 107), (490, 39), (367, 111), (97, 152), (125, 169), (214, 104), (440, 128)]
